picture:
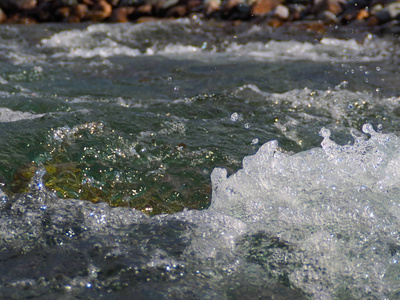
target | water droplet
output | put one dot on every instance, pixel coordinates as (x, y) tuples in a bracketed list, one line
[(254, 141), (234, 117), (367, 128), (325, 133)]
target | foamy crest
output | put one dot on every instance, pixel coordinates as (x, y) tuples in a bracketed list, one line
[(328, 49), (8, 115)]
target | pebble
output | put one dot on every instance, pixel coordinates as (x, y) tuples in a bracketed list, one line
[(282, 12), (388, 13), (262, 7), (122, 14), (382, 13)]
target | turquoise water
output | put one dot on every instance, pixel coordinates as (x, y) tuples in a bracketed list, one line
[(138, 116)]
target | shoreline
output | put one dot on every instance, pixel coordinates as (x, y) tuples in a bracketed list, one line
[(376, 16)]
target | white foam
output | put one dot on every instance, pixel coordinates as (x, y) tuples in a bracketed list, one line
[(328, 49), (8, 115), (105, 40)]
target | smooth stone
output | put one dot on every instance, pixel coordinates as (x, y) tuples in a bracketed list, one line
[(67, 2), (262, 7), (63, 12), (18, 4), (389, 12), (177, 11), (211, 6), (282, 12), (320, 6), (100, 11), (297, 11), (3, 16), (169, 3), (121, 14)]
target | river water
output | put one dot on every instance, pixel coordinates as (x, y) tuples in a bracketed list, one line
[(127, 163)]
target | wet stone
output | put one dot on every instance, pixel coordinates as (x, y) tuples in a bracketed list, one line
[(282, 12), (18, 4), (121, 14), (67, 2), (389, 12), (3, 16), (263, 7)]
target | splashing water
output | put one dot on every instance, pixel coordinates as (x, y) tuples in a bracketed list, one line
[(340, 206)]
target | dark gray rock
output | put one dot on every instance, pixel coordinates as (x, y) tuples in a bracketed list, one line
[(389, 12)]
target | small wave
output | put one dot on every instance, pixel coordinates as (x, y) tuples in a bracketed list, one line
[(8, 115)]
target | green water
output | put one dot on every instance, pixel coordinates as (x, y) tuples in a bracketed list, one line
[(145, 126)]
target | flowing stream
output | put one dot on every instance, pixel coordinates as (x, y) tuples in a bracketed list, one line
[(196, 160)]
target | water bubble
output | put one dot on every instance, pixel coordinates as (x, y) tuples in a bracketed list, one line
[(367, 128), (234, 117), (254, 141), (36, 183)]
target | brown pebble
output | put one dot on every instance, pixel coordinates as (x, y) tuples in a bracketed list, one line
[(73, 19), (320, 6), (28, 4), (3, 16), (63, 12), (230, 5), (80, 11), (26, 20), (193, 4), (121, 14), (177, 11), (100, 11), (296, 11), (362, 14), (212, 6), (145, 9), (88, 2), (262, 7), (274, 22), (373, 21)]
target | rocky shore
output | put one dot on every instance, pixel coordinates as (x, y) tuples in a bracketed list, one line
[(382, 14)]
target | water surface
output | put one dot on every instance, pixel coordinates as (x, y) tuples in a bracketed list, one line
[(138, 116)]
